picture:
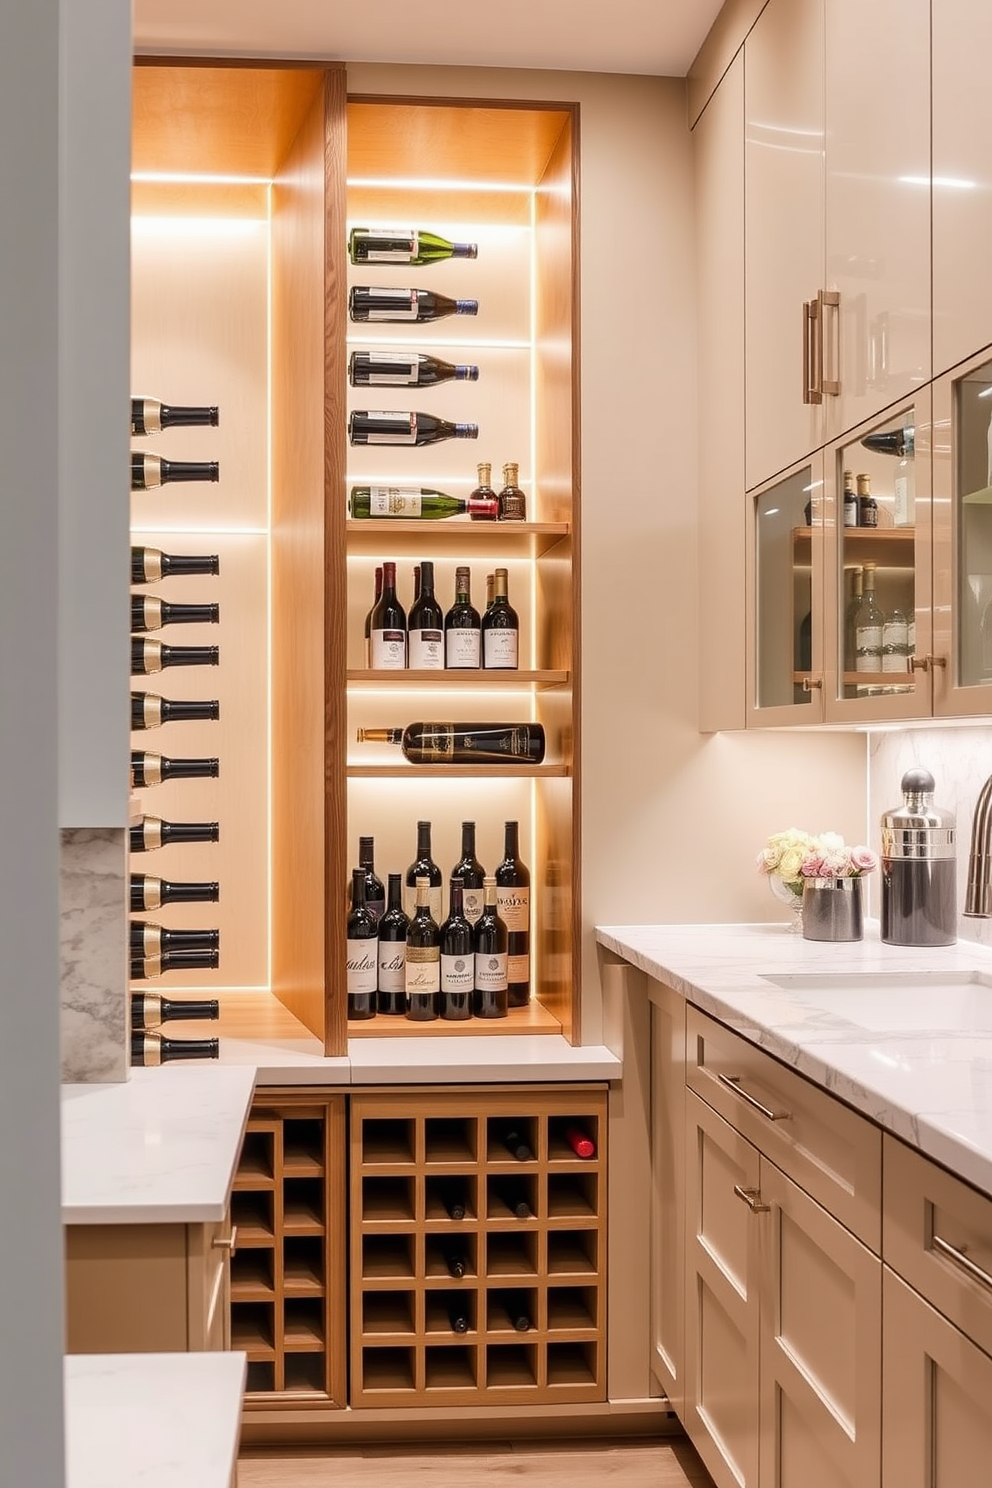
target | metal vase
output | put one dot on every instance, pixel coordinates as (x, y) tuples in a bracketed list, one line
[(832, 909)]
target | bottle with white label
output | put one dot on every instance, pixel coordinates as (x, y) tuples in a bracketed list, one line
[(423, 959), (500, 629), (393, 928), (463, 627), (400, 306), (417, 503), (406, 369), (404, 246), (363, 960), (388, 626), (895, 642), (425, 630), (424, 866), (490, 940), (513, 902), (392, 427), (868, 626), (470, 874), (457, 960)]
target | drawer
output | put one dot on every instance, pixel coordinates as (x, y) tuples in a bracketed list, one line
[(208, 1261), (834, 1154), (937, 1234)]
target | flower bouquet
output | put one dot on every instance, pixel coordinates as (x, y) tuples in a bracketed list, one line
[(794, 860)]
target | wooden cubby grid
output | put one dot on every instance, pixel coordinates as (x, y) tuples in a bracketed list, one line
[(408, 1152), (288, 1268)]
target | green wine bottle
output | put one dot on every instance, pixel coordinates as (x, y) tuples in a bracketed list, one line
[(415, 502), (392, 245)]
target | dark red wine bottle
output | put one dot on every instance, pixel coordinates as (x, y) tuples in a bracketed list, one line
[(151, 1010), (148, 710), (457, 960), (363, 961), (151, 769), (152, 832), (490, 939), (513, 903), (151, 416), (405, 428), (515, 1140), (148, 892), (148, 939), (155, 1049), (405, 369), (404, 306), (148, 612), (148, 471), (148, 657), (392, 928), (150, 565), (147, 968)]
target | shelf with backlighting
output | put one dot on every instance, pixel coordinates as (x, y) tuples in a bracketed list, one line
[(458, 772), (369, 539), (480, 681)]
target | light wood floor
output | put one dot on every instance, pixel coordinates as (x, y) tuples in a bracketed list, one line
[(634, 1464)]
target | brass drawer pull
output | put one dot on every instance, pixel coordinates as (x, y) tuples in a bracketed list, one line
[(226, 1242), (733, 1082), (752, 1198), (958, 1258), (810, 684)]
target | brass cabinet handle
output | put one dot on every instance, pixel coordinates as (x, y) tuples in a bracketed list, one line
[(937, 661), (812, 352), (919, 663), (958, 1258), (811, 683), (733, 1082), (752, 1198), (828, 299), (226, 1242), (807, 398)]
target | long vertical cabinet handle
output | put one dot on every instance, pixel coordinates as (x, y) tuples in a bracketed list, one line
[(828, 299), (812, 352)]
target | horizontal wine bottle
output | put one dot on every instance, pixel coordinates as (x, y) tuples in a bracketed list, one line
[(148, 471), (403, 306), (151, 769), (517, 1313), (517, 1144), (463, 743), (898, 442), (150, 613), (151, 832), (151, 416), (418, 503), (150, 565), (148, 939), (151, 1010), (388, 245), (148, 710), (405, 369), (580, 1142), (148, 892), (154, 1049), (405, 428), (148, 657), (149, 968), (457, 1314)]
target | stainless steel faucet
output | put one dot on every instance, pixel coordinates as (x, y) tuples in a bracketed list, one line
[(978, 899)]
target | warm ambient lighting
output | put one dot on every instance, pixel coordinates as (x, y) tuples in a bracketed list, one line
[(406, 183), (436, 341), (186, 178), (199, 227), (952, 183), (209, 531), (986, 393)]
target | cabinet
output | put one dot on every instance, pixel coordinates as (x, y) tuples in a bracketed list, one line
[(668, 1191)]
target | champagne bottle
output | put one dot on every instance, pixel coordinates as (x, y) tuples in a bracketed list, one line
[(148, 471), (150, 613), (148, 657), (424, 866), (151, 769), (151, 565), (423, 959), (490, 939), (457, 1314), (389, 245), (416, 503), (512, 501), (405, 428), (402, 306), (463, 627), (850, 500), (868, 626), (388, 626), (155, 1049), (867, 506), (152, 832), (368, 618), (147, 968), (148, 892), (375, 894), (898, 442), (392, 953), (513, 903), (463, 743), (150, 416), (426, 625), (148, 710), (457, 964), (405, 369), (151, 1010), (363, 959), (469, 872), (500, 629), (148, 939)]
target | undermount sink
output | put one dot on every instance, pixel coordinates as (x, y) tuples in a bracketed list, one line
[(897, 1001)]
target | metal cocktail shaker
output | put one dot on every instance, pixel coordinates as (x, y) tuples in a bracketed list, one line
[(919, 869)]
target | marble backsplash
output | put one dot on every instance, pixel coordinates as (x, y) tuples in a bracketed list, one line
[(94, 1001)]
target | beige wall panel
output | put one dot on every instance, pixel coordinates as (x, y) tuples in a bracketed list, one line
[(723, 41)]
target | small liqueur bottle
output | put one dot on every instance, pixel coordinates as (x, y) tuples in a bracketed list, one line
[(363, 959), (490, 940), (155, 1048), (500, 629), (151, 1010), (868, 626), (457, 960), (423, 959), (850, 500), (512, 501), (392, 928), (867, 506), (486, 507)]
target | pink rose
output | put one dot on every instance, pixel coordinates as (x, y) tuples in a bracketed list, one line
[(815, 867), (863, 860)]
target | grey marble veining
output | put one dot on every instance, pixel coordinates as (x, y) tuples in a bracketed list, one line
[(93, 931)]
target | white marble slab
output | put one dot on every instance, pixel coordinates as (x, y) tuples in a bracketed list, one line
[(286, 1061), (160, 1148), (929, 1085), (468, 1059), (152, 1420), (93, 993)]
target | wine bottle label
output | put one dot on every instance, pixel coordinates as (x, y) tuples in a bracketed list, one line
[(392, 966), (388, 650), (401, 250), (490, 971), (403, 305), (390, 435), (385, 369), (393, 501), (500, 649), (894, 661), (513, 907), (868, 637), (473, 901), (435, 897), (362, 967), (518, 969), (850, 514), (867, 661), (423, 969), (457, 973), (427, 650), (895, 633), (462, 648)]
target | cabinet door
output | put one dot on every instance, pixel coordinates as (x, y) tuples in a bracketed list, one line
[(668, 1010), (721, 1297), (783, 229), (820, 1351), (936, 1392)]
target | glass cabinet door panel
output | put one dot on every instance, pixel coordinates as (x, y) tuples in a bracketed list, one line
[(972, 459), (784, 649)]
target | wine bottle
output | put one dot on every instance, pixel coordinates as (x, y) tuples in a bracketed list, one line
[(416, 503), (850, 500), (388, 626), (405, 428), (148, 939), (463, 627), (368, 618), (898, 442), (151, 613), (463, 743), (457, 1314), (867, 506), (455, 1261), (517, 1312), (392, 930), (155, 1049), (868, 626), (490, 590), (515, 1200), (150, 565), (424, 866), (895, 642), (581, 1144), (425, 640), (405, 369), (500, 628), (515, 1140), (457, 963), (490, 939), (402, 306), (851, 619), (512, 501), (151, 1010), (389, 245), (148, 892), (148, 657), (151, 769), (416, 585), (148, 471), (452, 1196), (363, 959), (150, 416), (423, 959), (148, 710), (469, 872), (152, 832), (375, 894), (147, 968), (513, 903)]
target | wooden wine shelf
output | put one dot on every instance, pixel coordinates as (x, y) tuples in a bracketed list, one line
[(892, 547), (368, 538), (534, 1018), (472, 681), (464, 772), (905, 681)]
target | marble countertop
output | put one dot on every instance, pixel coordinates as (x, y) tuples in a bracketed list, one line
[(915, 1060), (158, 1420)]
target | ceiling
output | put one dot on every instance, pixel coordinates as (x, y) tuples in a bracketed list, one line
[(656, 37)]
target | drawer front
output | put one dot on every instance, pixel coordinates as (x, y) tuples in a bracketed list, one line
[(937, 1234), (834, 1154)]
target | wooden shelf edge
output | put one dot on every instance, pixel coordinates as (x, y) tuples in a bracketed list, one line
[(481, 680), (462, 772)]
